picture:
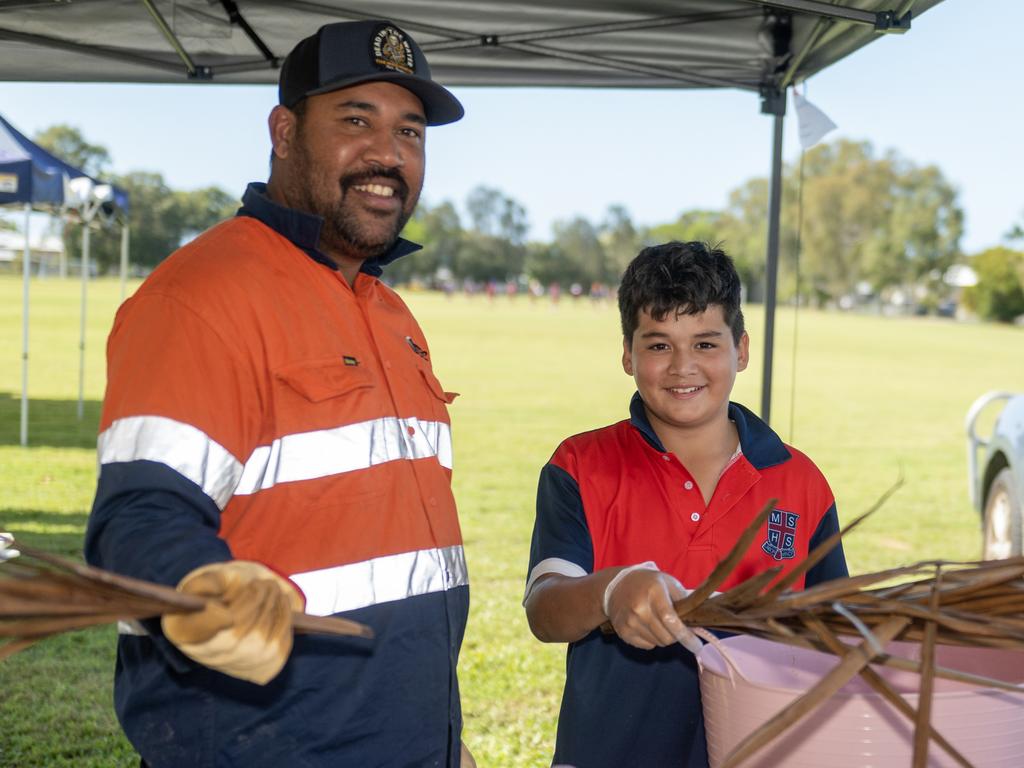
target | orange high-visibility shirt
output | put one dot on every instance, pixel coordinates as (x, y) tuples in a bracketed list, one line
[(306, 409)]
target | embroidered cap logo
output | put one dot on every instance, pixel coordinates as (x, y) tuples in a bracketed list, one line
[(391, 50)]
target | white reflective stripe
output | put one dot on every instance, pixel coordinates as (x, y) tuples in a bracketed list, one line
[(180, 446), (326, 452), (131, 627), (552, 565), (382, 580)]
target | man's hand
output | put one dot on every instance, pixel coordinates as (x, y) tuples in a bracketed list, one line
[(639, 606), (246, 628)]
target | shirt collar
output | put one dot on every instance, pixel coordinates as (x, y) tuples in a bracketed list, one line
[(303, 229), (759, 443)]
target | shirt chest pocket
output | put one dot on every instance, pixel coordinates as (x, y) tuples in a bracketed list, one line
[(435, 387), (323, 393)]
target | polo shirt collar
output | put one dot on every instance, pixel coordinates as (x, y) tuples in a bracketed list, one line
[(303, 229), (759, 443)]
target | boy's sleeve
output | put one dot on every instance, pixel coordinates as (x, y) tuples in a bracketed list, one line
[(834, 564), (561, 539)]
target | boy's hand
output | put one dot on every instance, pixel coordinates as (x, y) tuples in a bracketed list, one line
[(639, 606)]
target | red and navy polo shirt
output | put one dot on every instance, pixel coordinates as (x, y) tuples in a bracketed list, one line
[(614, 497)]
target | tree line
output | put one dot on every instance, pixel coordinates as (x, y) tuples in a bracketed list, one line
[(857, 225)]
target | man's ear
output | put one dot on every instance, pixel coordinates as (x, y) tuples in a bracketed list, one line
[(282, 122), (627, 356), (743, 352)]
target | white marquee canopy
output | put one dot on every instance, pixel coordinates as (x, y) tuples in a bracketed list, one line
[(762, 46)]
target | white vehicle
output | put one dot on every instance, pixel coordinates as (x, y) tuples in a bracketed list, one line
[(997, 482)]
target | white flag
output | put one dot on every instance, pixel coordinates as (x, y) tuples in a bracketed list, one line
[(811, 122)]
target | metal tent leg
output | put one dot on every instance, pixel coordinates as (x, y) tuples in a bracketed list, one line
[(772, 262)]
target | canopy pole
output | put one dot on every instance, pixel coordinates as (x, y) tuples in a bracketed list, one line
[(63, 271), (81, 331), (25, 269), (124, 257), (773, 103)]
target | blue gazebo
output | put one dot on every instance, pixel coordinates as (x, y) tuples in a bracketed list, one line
[(37, 180)]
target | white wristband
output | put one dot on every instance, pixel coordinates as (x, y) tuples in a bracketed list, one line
[(650, 565), (7, 552)]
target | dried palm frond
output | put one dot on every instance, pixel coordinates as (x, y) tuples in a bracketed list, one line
[(979, 604), (42, 594)]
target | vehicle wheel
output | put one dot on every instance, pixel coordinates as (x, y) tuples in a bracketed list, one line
[(1002, 519)]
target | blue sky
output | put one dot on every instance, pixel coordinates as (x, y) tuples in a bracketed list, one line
[(946, 93)]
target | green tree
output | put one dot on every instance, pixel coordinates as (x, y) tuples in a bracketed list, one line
[(702, 225), (621, 241), (495, 247), (68, 143), (547, 264), (159, 219), (486, 257), (882, 220), (495, 214), (1016, 232), (439, 230), (200, 209), (583, 257), (999, 293), (742, 230)]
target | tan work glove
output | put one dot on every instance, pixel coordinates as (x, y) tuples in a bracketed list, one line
[(246, 628)]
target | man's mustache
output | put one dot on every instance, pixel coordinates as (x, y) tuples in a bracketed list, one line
[(375, 174)]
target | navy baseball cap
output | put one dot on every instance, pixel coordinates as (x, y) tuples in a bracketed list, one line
[(351, 52)]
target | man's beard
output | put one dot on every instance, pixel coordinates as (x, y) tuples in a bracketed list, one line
[(343, 230)]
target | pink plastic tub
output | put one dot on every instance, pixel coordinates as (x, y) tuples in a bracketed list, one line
[(857, 728)]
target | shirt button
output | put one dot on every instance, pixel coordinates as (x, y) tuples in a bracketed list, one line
[(432, 501), (411, 431), (695, 516), (387, 364), (666, 457), (688, 485)]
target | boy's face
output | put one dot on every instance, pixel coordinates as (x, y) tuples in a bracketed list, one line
[(684, 367)]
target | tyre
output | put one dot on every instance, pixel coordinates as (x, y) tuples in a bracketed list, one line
[(1002, 522)]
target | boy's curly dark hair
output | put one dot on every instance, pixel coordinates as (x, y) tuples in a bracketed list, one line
[(685, 278)]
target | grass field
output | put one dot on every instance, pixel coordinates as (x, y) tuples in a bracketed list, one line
[(874, 398)]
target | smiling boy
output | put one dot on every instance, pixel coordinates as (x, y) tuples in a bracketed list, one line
[(630, 513)]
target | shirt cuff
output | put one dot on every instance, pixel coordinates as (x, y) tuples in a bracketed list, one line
[(552, 565)]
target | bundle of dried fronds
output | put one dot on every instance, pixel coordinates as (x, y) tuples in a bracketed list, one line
[(43, 595), (970, 604)]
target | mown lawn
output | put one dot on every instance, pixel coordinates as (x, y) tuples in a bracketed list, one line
[(875, 398)]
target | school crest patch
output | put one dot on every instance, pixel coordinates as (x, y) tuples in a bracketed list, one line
[(781, 540)]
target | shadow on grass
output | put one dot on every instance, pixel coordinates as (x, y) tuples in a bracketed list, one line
[(51, 423), (61, 534)]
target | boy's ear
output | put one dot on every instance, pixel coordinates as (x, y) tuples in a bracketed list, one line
[(627, 356), (743, 352)]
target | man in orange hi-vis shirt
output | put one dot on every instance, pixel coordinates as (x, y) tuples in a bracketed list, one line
[(273, 437)]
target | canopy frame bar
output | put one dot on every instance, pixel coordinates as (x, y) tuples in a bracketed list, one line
[(584, 30), (601, 61), (235, 17), (88, 50), (885, 21), (194, 72)]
